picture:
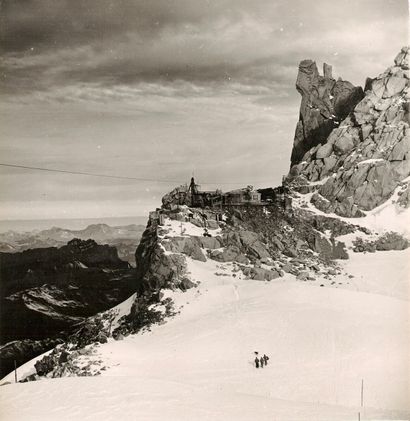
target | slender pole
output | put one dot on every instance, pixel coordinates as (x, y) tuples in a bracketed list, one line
[(15, 371), (361, 395), (358, 416)]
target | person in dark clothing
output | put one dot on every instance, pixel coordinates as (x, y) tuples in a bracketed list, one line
[(261, 361), (257, 362), (265, 358)]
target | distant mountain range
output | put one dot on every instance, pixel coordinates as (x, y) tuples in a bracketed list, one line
[(53, 279), (124, 238), (46, 291)]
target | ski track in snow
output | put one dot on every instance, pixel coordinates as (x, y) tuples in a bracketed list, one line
[(199, 365)]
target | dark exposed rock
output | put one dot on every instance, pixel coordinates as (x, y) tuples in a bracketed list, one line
[(272, 232), (329, 249), (144, 313), (388, 241), (45, 291), (210, 242), (23, 351), (230, 253), (156, 269), (179, 195), (248, 242), (336, 226), (260, 274), (46, 364), (404, 197)]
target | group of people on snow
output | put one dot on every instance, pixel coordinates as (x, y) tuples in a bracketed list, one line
[(261, 361)]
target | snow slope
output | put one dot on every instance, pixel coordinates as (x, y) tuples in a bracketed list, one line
[(389, 216), (199, 365)]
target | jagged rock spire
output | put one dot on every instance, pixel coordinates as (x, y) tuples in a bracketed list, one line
[(364, 159), (325, 102)]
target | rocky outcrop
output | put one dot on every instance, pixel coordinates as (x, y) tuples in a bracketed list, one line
[(404, 196), (157, 269), (23, 351), (261, 274), (179, 195), (191, 246), (363, 160), (231, 253), (257, 239), (325, 103), (387, 241), (249, 242)]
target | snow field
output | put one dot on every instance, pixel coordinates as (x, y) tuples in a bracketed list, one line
[(199, 365)]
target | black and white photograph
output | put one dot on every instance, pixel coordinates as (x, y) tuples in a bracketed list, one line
[(204, 210)]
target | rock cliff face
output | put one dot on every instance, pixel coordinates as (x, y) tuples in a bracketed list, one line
[(260, 240), (325, 103), (363, 160)]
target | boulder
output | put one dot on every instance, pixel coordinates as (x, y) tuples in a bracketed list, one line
[(302, 276), (287, 268), (191, 246), (260, 274), (394, 85), (211, 224), (404, 197), (328, 249), (102, 338), (247, 241), (250, 241), (210, 242), (344, 144), (324, 151), (229, 254), (186, 284)]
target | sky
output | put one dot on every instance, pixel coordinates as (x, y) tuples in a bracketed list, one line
[(163, 89)]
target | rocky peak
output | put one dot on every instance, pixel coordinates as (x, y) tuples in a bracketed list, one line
[(362, 160), (325, 102)]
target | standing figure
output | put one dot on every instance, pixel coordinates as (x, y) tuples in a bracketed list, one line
[(261, 361), (265, 358), (257, 362)]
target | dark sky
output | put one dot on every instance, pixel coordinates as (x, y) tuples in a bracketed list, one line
[(161, 88)]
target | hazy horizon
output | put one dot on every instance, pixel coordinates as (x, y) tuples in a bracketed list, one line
[(26, 225), (160, 90)]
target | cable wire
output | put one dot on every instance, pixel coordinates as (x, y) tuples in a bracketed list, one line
[(120, 177)]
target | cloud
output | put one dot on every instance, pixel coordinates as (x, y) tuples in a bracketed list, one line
[(49, 44)]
